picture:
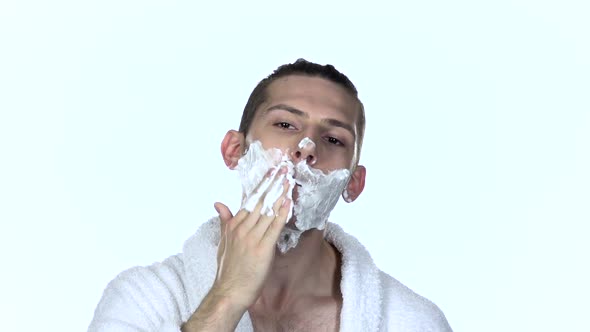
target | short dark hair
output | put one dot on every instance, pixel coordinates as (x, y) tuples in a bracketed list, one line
[(305, 68)]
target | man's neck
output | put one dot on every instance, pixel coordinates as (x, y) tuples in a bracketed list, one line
[(310, 270)]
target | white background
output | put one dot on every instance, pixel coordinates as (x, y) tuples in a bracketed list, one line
[(477, 145)]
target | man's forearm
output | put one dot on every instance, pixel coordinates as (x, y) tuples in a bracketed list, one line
[(216, 313)]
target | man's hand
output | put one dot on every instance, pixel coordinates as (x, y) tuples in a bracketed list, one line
[(246, 251)]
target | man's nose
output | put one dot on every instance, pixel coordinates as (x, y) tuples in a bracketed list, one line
[(305, 150)]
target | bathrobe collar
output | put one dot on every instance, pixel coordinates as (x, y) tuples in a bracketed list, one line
[(360, 285)]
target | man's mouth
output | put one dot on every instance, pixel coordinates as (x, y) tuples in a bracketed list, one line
[(295, 193), (298, 182)]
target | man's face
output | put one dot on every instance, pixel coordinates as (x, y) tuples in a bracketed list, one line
[(300, 106), (312, 123)]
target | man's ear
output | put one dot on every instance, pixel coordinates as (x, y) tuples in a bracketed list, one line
[(355, 185), (232, 148)]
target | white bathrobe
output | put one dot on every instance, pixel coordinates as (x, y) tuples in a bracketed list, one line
[(162, 296)]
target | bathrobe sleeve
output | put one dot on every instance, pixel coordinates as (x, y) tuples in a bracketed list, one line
[(144, 299), (404, 310)]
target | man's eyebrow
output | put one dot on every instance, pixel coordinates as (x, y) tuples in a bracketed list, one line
[(287, 108), (338, 123), (330, 122)]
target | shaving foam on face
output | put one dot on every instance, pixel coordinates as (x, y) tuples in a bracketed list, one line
[(317, 192), (305, 142), (346, 196), (317, 195), (252, 169)]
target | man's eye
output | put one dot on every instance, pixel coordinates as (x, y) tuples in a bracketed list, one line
[(334, 141), (284, 125)]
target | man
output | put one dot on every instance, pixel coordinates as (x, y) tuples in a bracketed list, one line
[(277, 265)]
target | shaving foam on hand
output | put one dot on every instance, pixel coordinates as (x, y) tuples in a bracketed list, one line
[(253, 167), (317, 192)]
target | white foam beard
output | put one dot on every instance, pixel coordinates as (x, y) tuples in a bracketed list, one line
[(317, 192)]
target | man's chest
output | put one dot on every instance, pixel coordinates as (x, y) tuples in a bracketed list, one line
[(316, 318)]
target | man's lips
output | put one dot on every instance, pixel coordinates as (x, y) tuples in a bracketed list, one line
[(298, 182), (295, 193)]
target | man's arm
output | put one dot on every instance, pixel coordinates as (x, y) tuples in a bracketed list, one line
[(214, 314), (153, 299), (245, 254), (143, 299)]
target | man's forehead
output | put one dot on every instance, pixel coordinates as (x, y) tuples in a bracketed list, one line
[(312, 86), (311, 94)]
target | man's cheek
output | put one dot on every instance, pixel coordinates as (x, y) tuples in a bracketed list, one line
[(252, 169)]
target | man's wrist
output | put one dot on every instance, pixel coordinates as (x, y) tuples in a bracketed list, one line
[(216, 313)]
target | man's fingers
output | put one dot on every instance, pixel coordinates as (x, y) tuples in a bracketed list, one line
[(264, 183), (260, 228), (260, 211), (276, 226), (252, 218), (277, 205), (228, 220), (272, 187), (258, 193), (274, 194), (224, 213)]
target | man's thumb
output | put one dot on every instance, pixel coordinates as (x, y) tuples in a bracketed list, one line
[(223, 211)]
